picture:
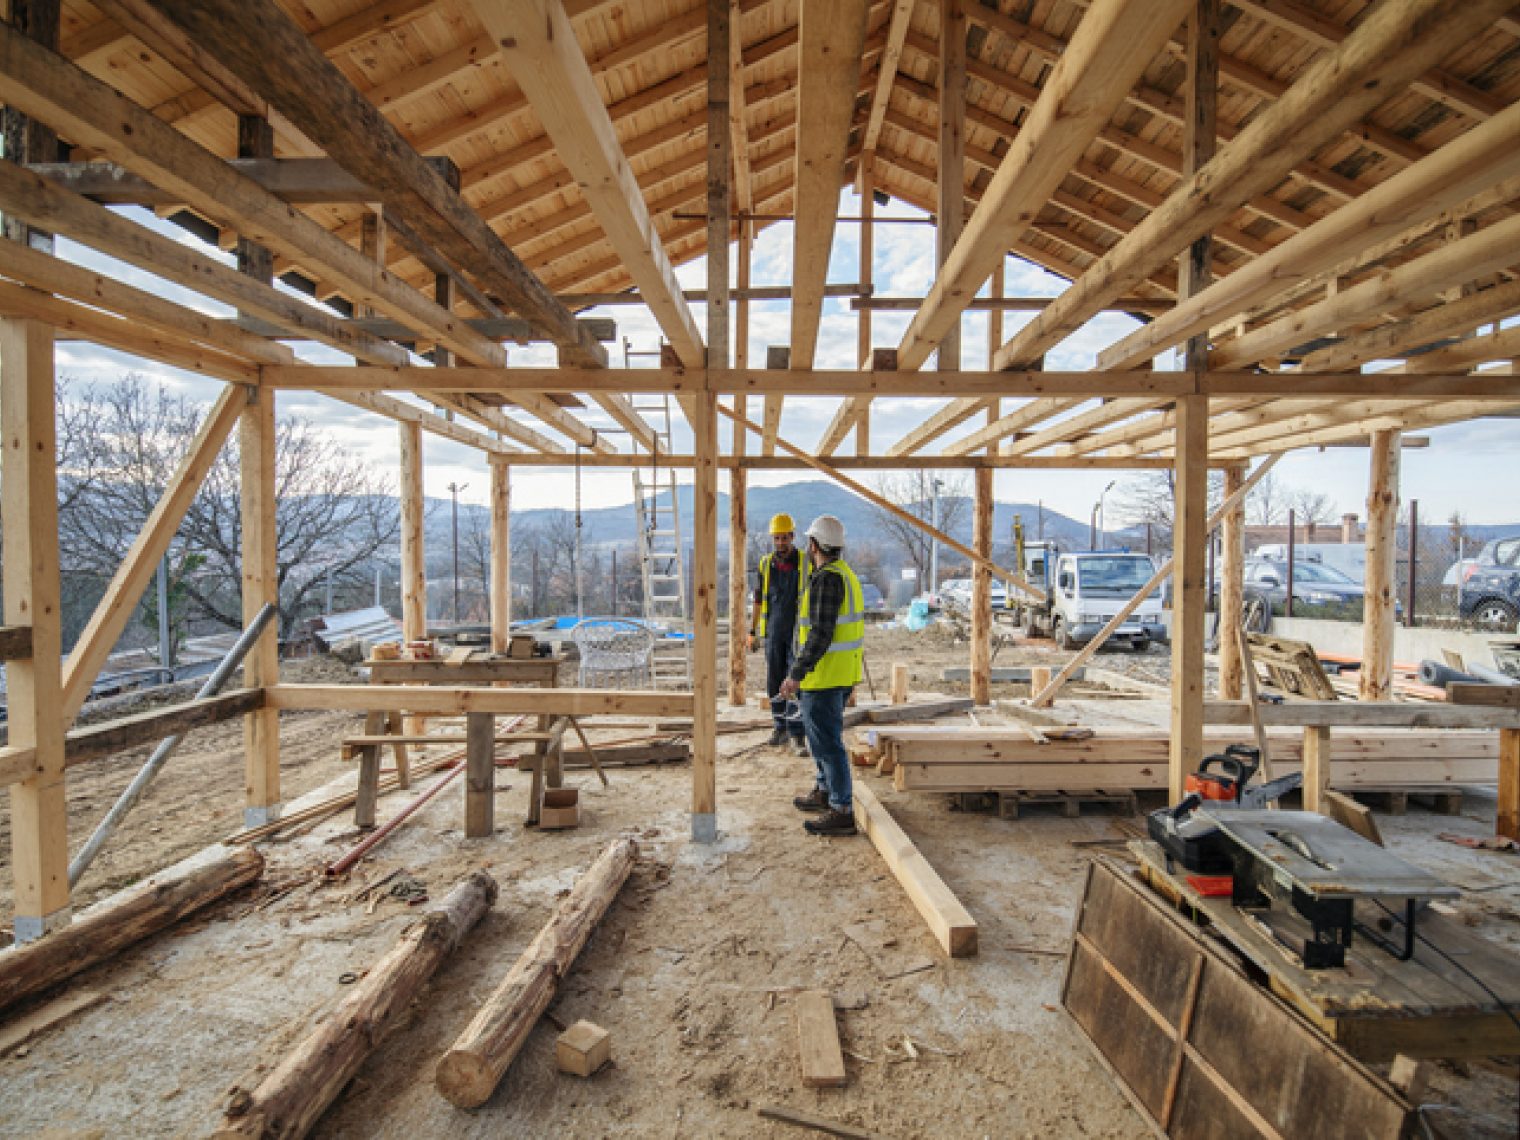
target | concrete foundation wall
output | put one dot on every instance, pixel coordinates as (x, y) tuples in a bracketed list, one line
[(1410, 646)]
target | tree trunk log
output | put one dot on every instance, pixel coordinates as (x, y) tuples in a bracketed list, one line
[(161, 901), (292, 1097), (470, 1071)]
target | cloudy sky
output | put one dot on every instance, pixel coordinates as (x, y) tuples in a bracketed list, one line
[(1471, 468)]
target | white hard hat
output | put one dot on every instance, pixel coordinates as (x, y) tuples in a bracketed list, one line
[(828, 531)]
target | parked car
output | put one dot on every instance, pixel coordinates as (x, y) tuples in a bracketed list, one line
[(1314, 584), (871, 595), (1490, 593)]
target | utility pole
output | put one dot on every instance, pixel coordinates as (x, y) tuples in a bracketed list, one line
[(454, 489), (934, 542)]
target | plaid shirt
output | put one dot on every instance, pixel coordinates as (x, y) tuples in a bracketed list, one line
[(825, 600)]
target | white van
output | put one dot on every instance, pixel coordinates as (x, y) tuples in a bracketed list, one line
[(1090, 588)]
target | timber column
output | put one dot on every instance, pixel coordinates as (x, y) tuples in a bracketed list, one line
[(29, 518), (261, 668), (1232, 588), (1376, 675), (981, 591), (501, 555)]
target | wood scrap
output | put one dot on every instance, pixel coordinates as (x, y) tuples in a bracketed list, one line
[(1348, 813), (137, 913), (816, 1123), (469, 1072), (818, 1048), (289, 1100), (1293, 666), (887, 953), (33, 1024)]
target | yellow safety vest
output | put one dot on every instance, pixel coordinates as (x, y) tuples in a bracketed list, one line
[(765, 585), (840, 666)]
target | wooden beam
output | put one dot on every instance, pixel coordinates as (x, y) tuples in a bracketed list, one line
[(950, 923), (831, 40), (1375, 678), (886, 73), (259, 487), (142, 20), (15, 640), (116, 606), (501, 556), (413, 553), (29, 518), (950, 196), (1113, 44), (1232, 589), (981, 591), (116, 736), (1190, 532), (1364, 714), (265, 48), (457, 700), (704, 695), (1396, 338), (540, 48), (871, 496), (1394, 44)]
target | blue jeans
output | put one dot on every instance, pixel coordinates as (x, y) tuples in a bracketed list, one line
[(823, 719)]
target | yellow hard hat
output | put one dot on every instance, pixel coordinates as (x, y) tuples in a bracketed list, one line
[(782, 524)]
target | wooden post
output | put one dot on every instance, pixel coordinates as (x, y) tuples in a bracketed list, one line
[(738, 583), (1316, 767), (29, 519), (1189, 537), (261, 668), (1376, 675), (899, 686), (704, 736), (480, 776), (1232, 593), (1039, 678), (290, 1099), (952, 154), (501, 556), (981, 591), (413, 571), (470, 1071), (1509, 783)]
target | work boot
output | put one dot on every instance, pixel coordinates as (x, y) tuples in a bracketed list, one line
[(778, 737), (832, 823), (799, 746), (816, 800)]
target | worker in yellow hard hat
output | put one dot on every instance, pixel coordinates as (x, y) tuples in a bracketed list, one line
[(773, 618)]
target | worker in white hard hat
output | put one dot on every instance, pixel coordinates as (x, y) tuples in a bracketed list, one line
[(773, 620), (831, 630)]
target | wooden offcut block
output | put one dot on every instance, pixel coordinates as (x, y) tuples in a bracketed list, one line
[(884, 360), (778, 356), (582, 1049), (818, 1041), (520, 647), (562, 808), (899, 687)]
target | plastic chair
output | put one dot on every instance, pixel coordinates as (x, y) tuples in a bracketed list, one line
[(614, 652)]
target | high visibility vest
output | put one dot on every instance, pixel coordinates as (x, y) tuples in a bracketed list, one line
[(765, 585), (841, 664)]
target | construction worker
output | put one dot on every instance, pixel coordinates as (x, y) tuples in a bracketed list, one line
[(773, 617), (831, 631)]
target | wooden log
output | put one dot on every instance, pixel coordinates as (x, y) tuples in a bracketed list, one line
[(948, 920), (818, 1041), (146, 909), (289, 1100), (472, 1068)]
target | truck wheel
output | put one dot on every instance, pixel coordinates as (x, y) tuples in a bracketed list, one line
[(1494, 614), (1063, 635)]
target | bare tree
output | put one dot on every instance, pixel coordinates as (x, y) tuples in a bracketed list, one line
[(1267, 504), (914, 493), (1311, 508), (1150, 499), (333, 512)]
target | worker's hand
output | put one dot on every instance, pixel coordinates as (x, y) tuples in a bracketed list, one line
[(788, 689)]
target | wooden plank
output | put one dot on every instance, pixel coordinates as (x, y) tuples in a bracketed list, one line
[(544, 57), (822, 1060), (1112, 46), (38, 1021), (112, 737), (831, 40), (464, 699), (269, 52), (1339, 88), (949, 922), (1316, 767), (1348, 813), (1494, 696), (29, 519), (17, 764), (1363, 714)]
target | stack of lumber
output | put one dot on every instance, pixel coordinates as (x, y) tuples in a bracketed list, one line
[(1008, 760)]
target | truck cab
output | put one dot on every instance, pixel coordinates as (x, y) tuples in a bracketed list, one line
[(1090, 587)]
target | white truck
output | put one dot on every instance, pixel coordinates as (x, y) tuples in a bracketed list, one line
[(1084, 589)]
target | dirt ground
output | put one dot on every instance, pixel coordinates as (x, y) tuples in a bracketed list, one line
[(692, 970)]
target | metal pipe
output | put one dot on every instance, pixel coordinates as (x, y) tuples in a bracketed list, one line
[(1414, 560), (166, 747)]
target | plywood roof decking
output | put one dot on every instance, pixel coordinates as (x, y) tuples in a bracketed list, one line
[(432, 70)]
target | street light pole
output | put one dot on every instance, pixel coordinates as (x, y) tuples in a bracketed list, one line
[(1102, 518), (454, 489)]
